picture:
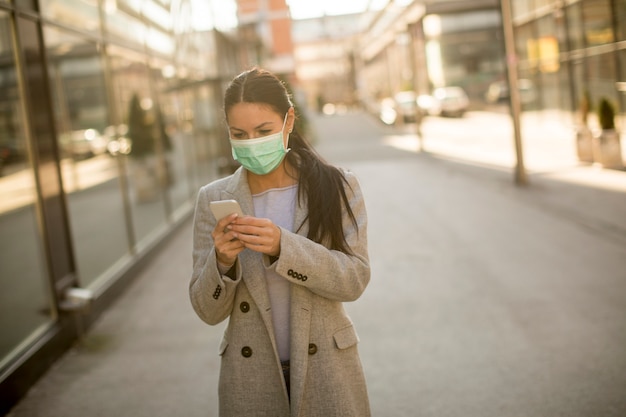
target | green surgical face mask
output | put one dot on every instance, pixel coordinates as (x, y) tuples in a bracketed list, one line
[(261, 155)]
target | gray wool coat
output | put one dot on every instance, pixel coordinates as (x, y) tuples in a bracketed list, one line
[(327, 379)]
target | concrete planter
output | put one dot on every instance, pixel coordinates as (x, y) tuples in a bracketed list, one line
[(607, 149), (584, 144)]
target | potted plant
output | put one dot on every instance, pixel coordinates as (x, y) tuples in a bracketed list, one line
[(584, 137), (607, 150)]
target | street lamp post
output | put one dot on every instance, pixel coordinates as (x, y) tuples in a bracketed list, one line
[(514, 97)]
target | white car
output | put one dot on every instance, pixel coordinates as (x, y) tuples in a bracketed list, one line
[(498, 92), (82, 144), (445, 101)]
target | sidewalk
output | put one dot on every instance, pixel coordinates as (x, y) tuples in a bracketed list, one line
[(486, 299)]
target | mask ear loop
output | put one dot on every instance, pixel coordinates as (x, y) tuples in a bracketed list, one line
[(290, 130)]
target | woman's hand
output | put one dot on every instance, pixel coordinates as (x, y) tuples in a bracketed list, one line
[(227, 246), (259, 235)]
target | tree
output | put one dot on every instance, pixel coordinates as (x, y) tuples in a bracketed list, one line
[(139, 129)]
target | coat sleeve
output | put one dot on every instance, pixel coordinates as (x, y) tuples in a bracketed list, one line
[(329, 273), (211, 294)]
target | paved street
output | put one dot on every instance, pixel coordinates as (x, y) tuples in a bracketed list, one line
[(486, 299)]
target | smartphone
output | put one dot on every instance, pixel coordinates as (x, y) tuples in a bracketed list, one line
[(223, 208)]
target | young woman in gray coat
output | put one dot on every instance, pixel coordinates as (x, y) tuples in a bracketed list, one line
[(281, 271)]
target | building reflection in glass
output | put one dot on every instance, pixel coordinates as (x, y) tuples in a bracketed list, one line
[(89, 173), (25, 301)]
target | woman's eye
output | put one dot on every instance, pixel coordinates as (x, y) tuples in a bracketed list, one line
[(238, 136), (265, 132)]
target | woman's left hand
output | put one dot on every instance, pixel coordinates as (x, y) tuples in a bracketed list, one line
[(259, 235)]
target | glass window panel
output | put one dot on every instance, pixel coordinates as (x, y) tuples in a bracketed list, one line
[(157, 14), (598, 26), (550, 90), (90, 174), (25, 300), (132, 4), (573, 14), (137, 112), (159, 41), (25, 4), (579, 86), (560, 29), (547, 45), (520, 7), (80, 14), (201, 119), (173, 140), (525, 45), (601, 78), (565, 99), (620, 7), (124, 27), (622, 88)]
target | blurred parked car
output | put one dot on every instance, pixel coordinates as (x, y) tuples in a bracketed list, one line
[(402, 107), (445, 101), (406, 106), (387, 111), (498, 91), (117, 139), (82, 144)]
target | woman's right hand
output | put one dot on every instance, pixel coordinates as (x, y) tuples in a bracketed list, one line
[(227, 247)]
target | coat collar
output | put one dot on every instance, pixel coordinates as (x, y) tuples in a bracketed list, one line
[(239, 189)]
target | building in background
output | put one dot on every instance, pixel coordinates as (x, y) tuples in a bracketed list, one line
[(109, 122), (570, 55), (421, 45), (324, 53), (265, 32), (570, 50)]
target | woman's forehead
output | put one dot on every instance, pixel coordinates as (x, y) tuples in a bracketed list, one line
[(251, 112)]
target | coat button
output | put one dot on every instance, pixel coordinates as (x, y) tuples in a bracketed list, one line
[(312, 348), (217, 292), (244, 306), (246, 351)]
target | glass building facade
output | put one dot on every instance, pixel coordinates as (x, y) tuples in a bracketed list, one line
[(571, 49), (109, 123)]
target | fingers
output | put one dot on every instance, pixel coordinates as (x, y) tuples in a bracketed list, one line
[(227, 247), (260, 235), (227, 252), (224, 222)]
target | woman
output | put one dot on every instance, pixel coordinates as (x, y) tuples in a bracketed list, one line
[(281, 272)]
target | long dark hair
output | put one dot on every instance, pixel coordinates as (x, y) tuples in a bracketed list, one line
[(322, 184)]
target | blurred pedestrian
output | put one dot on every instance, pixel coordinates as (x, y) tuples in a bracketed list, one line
[(281, 272)]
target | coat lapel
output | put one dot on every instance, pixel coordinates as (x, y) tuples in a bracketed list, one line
[(251, 262)]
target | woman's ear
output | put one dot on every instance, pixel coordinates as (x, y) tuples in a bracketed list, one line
[(291, 119)]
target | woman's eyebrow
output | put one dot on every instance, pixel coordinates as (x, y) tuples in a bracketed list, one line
[(255, 128)]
